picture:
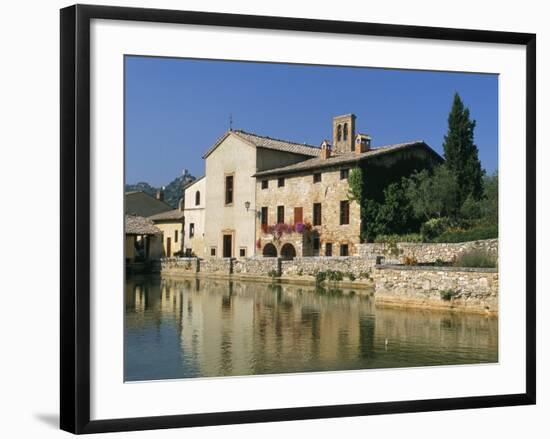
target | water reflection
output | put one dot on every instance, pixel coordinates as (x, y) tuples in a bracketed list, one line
[(197, 327)]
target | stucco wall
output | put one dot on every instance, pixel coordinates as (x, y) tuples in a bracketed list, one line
[(195, 214), (169, 231), (232, 156), (301, 191)]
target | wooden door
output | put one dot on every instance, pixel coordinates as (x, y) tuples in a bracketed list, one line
[(298, 215), (227, 250), (168, 247)]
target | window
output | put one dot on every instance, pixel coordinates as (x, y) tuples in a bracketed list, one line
[(317, 177), (344, 212), (344, 251), (298, 215), (264, 216), (281, 182), (345, 131), (316, 214), (197, 198), (242, 252), (265, 184), (339, 132), (191, 230), (280, 214), (212, 251), (344, 174), (229, 189), (328, 249), (175, 236)]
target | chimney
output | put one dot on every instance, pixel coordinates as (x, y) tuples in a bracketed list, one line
[(362, 143), (160, 194), (325, 149)]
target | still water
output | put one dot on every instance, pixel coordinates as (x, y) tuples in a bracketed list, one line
[(180, 328)]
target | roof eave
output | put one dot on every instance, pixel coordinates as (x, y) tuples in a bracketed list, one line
[(420, 143)]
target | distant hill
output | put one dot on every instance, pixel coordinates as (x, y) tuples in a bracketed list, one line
[(172, 191)]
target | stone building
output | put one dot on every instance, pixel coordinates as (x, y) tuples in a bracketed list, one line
[(306, 209), (272, 197)]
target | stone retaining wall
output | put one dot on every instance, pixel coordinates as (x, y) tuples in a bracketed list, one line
[(216, 265), (180, 265), (309, 266), (468, 289), (427, 252), (258, 266)]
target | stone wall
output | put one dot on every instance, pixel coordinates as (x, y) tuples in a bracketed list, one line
[(310, 266), (258, 266), (300, 190), (180, 265), (216, 265), (427, 252), (469, 289)]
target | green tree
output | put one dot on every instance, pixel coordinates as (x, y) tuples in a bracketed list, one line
[(489, 202), (461, 154), (395, 215), (432, 195)]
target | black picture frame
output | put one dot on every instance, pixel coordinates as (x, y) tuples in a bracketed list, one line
[(75, 217)]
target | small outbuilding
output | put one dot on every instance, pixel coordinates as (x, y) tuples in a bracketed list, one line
[(143, 243)]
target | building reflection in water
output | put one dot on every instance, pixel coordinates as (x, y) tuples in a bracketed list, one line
[(208, 327)]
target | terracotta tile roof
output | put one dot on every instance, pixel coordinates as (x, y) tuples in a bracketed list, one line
[(171, 215), (341, 159), (138, 225), (268, 143)]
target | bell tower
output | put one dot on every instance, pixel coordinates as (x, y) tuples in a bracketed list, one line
[(343, 133)]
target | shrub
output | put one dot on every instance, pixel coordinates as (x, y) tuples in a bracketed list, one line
[(273, 273), (410, 260), (474, 234), (475, 259), (320, 277), (351, 276), (447, 294), (364, 275), (300, 272), (334, 275), (408, 237), (434, 227)]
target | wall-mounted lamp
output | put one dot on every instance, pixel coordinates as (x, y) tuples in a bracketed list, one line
[(247, 205)]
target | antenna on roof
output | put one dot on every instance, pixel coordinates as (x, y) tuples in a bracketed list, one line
[(230, 122)]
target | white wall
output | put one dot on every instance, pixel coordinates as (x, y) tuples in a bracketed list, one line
[(30, 137), (232, 156), (194, 214)]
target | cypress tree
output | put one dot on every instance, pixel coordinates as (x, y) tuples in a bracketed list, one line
[(461, 154)]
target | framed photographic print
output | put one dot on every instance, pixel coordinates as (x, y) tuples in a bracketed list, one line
[(268, 218)]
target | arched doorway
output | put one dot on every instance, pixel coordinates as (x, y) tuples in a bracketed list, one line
[(288, 251), (270, 251)]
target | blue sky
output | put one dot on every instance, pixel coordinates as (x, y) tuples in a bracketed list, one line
[(177, 108)]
